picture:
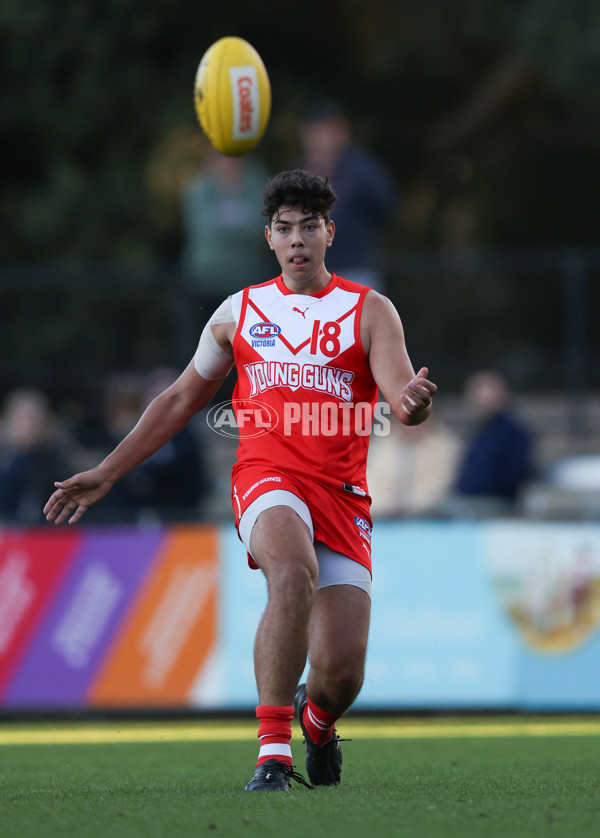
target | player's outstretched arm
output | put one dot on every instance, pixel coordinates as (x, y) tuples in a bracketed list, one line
[(164, 417), (408, 394)]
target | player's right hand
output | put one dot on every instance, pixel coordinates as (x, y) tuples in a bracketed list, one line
[(75, 495), (418, 393)]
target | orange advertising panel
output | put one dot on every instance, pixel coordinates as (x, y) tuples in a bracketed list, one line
[(171, 629)]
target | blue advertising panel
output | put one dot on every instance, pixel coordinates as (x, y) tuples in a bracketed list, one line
[(473, 615), (439, 637)]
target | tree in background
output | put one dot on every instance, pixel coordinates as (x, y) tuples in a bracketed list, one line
[(488, 113)]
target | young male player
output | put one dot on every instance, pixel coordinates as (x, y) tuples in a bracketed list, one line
[(313, 350)]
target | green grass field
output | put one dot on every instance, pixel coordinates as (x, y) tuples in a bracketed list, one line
[(419, 778)]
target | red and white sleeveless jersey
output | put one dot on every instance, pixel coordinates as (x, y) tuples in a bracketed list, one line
[(305, 394)]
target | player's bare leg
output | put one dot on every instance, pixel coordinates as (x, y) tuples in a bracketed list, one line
[(281, 545), (337, 658), (338, 635)]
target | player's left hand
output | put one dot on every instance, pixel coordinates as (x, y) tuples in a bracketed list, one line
[(417, 395)]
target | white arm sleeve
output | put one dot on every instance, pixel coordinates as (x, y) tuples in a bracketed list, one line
[(211, 360)]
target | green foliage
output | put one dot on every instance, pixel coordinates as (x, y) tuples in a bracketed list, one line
[(487, 113)]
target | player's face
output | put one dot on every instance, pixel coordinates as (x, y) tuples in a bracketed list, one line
[(300, 240)]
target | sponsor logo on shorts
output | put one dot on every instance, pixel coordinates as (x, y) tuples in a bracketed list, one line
[(364, 528), (260, 483), (354, 490)]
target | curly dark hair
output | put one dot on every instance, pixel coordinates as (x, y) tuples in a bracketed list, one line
[(298, 188)]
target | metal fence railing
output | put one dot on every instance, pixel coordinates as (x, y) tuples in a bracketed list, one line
[(530, 311)]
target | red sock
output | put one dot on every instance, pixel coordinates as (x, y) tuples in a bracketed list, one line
[(317, 723), (274, 732)]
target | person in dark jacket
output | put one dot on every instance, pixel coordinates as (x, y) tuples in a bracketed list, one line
[(367, 196), (497, 461), (34, 446)]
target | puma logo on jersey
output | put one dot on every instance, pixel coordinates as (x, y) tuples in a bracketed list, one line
[(299, 310)]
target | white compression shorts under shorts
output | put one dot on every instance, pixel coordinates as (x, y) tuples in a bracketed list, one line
[(334, 568)]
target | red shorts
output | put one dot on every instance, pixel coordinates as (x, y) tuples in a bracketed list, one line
[(340, 516)]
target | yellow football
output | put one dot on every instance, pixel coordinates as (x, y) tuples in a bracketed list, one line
[(232, 95)]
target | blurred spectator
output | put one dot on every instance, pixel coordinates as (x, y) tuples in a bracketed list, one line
[(122, 407), (223, 250), (35, 450), (176, 479), (366, 194), (498, 459), (411, 470), (172, 483)]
